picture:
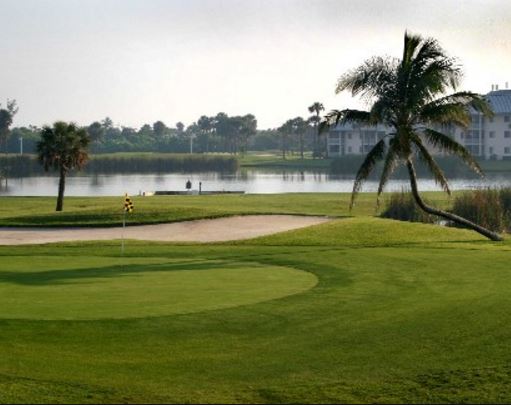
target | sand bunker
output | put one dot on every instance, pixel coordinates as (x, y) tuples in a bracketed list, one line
[(205, 230)]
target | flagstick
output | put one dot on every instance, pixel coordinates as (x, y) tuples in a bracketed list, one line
[(123, 227)]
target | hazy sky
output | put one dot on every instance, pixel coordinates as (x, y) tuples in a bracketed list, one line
[(138, 61)]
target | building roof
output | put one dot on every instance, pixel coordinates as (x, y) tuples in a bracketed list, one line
[(500, 101)]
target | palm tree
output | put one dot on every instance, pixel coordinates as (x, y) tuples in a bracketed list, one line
[(298, 128), (205, 125), (63, 147), (316, 108), (409, 96), (285, 130)]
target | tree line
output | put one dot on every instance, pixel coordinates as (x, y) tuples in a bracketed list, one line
[(220, 133)]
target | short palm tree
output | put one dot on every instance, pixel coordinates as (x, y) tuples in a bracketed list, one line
[(316, 108), (409, 96), (63, 147)]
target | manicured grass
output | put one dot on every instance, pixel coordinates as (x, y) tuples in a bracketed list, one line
[(360, 309), (111, 288), (107, 211)]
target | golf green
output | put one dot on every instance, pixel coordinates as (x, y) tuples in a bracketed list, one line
[(115, 288)]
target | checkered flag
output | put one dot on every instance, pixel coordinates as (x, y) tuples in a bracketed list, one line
[(128, 204)]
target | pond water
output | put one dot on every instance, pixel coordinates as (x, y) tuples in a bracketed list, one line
[(250, 181)]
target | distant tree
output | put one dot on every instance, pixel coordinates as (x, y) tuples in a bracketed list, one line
[(246, 130), (159, 129), (132, 137), (205, 125), (265, 139), (96, 131), (226, 128), (63, 147), (180, 127), (316, 108), (285, 131), (6, 117), (30, 135), (192, 131), (298, 129), (107, 123)]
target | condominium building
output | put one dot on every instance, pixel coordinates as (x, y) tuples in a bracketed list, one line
[(487, 138)]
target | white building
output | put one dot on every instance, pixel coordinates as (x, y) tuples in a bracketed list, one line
[(487, 138)]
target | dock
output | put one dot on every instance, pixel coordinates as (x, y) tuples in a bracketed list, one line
[(197, 192)]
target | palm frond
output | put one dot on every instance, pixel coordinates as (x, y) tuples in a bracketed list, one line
[(455, 108), (374, 155), (452, 113), (426, 157), (335, 117), (425, 71), (449, 145), (411, 42), (370, 79)]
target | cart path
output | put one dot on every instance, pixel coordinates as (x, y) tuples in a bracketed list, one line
[(203, 230)]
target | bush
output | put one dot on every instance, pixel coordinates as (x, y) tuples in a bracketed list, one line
[(484, 207), (403, 207)]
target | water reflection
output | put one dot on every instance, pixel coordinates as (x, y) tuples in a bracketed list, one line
[(250, 181)]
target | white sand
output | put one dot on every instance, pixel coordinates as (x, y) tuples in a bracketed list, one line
[(205, 230)]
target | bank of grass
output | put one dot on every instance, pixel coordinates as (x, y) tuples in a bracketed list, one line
[(107, 211), (400, 313), (273, 160)]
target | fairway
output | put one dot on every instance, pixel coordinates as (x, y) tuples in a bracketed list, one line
[(92, 288)]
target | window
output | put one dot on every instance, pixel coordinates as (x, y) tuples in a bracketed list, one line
[(334, 148), (349, 148), (333, 135), (506, 118), (507, 150), (492, 134), (360, 148), (507, 134), (349, 135), (490, 150)]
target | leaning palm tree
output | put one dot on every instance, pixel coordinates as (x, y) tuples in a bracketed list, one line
[(63, 147), (409, 96)]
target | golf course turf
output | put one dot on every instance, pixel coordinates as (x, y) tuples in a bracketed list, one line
[(359, 309)]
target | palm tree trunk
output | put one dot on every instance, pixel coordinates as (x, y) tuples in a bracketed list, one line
[(447, 215), (62, 186), (301, 146)]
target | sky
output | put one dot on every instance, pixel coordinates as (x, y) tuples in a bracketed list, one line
[(139, 61)]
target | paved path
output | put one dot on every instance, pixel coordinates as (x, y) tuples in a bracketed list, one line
[(204, 230)]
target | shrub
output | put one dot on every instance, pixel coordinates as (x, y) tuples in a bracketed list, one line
[(505, 200), (484, 207), (403, 207)]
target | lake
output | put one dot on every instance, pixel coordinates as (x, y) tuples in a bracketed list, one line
[(250, 181)]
